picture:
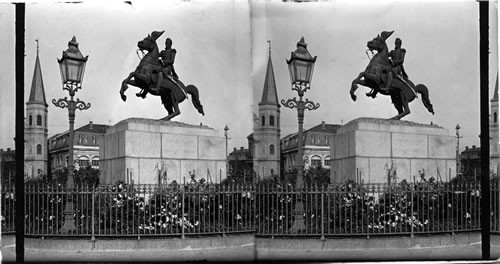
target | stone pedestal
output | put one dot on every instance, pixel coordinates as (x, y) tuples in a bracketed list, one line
[(136, 149), (366, 147)]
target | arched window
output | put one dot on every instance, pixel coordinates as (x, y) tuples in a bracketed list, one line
[(95, 161), (271, 120), (271, 149), (263, 120), (39, 149), (327, 161), (83, 161), (316, 161), (38, 120), (31, 120), (495, 117)]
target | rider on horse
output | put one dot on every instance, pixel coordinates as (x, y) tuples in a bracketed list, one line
[(167, 59), (397, 57)]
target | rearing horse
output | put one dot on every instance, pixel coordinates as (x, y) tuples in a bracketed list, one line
[(145, 77), (376, 73)]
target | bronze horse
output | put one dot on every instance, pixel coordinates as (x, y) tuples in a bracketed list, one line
[(376, 73), (145, 77)]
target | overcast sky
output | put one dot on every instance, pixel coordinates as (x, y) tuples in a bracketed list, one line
[(222, 48)]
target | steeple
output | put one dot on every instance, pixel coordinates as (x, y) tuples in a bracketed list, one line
[(269, 94), (37, 93), (495, 94)]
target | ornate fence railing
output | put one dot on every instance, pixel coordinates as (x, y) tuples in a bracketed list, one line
[(266, 210), (373, 209), (145, 210)]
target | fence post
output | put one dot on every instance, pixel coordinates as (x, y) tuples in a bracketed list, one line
[(183, 201), (93, 214), (411, 212), (323, 212)]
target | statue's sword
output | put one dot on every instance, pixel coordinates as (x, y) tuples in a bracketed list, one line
[(407, 84)]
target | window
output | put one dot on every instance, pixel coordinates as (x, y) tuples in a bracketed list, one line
[(39, 149), (271, 120), (83, 162), (45, 120), (95, 163), (38, 120), (263, 120), (31, 120), (495, 117), (79, 139), (278, 123), (316, 161), (271, 149), (327, 161)]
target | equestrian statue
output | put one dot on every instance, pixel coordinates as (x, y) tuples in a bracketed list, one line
[(385, 75), (157, 77)]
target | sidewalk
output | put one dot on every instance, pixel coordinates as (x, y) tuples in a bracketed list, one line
[(249, 248), (229, 248)]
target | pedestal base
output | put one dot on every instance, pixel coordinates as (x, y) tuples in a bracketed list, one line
[(146, 151), (366, 148)]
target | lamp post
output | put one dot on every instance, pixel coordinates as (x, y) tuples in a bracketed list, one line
[(300, 67), (72, 67), (457, 129), (226, 128)]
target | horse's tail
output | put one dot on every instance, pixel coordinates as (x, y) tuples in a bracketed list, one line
[(424, 92), (195, 98)]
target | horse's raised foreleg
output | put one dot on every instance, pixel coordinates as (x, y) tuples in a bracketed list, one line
[(124, 86), (354, 85)]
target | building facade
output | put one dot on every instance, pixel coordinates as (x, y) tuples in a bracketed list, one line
[(494, 135), (35, 128), (266, 136), (316, 147), (7, 167), (240, 162), (86, 147), (470, 161)]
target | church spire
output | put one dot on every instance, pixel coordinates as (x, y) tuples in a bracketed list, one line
[(37, 93), (269, 93)]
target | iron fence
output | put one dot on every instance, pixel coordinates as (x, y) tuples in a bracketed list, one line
[(268, 210), (373, 209), (145, 210)]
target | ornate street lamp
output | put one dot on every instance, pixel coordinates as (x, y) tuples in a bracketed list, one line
[(300, 67), (72, 67), (457, 129)]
